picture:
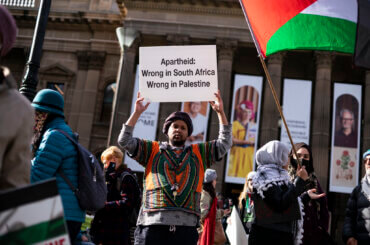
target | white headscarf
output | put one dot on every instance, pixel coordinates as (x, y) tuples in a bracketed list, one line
[(270, 159)]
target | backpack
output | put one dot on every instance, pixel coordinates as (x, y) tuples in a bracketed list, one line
[(132, 217), (92, 190)]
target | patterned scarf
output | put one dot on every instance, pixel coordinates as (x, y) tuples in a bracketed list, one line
[(40, 119), (270, 159)]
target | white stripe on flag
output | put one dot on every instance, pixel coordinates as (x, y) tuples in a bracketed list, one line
[(30, 214), (342, 9)]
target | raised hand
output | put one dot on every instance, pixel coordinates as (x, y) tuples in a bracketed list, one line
[(139, 106), (218, 105)]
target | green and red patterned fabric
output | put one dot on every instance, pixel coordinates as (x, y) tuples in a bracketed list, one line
[(164, 168)]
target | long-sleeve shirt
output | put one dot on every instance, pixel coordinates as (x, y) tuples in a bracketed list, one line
[(167, 167)]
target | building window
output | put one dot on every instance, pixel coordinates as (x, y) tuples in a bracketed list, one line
[(56, 86), (108, 102)]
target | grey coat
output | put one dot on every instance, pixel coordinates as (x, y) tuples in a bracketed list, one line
[(16, 123)]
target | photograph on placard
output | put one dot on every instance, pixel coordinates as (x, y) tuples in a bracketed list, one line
[(346, 121), (245, 113), (345, 138), (198, 112)]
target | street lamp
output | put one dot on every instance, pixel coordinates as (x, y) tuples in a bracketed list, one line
[(30, 79), (126, 37)]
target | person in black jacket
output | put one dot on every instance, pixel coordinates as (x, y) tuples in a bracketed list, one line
[(356, 227), (278, 209), (111, 224)]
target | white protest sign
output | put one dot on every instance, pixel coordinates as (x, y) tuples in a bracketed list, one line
[(235, 230), (178, 73)]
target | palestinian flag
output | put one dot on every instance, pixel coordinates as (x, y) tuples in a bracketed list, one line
[(33, 215), (302, 24)]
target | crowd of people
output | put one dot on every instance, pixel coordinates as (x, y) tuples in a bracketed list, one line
[(177, 204)]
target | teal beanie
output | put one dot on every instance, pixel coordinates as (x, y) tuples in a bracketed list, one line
[(50, 101), (366, 154)]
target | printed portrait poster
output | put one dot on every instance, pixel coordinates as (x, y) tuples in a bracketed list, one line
[(245, 116), (297, 110), (146, 126), (198, 112), (345, 154)]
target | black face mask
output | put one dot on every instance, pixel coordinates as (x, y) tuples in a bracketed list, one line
[(305, 163)]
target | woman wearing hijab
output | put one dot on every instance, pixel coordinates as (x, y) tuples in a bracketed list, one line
[(278, 209), (316, 218), (244, 136)]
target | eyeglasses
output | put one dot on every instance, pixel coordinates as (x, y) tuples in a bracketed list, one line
[(304, 156), (347, 119)]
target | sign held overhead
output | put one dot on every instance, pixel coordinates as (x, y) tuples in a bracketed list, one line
[(178, 73)]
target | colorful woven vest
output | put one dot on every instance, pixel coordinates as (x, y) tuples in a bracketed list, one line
[(164, 170)]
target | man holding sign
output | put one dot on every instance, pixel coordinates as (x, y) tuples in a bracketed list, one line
[(173, 175)]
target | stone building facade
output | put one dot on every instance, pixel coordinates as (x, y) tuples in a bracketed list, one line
[(81, 53)]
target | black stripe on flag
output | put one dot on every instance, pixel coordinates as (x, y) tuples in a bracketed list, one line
[(31, 193), (362, 48)]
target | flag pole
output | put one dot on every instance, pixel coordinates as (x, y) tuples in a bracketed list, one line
[(261, 57)]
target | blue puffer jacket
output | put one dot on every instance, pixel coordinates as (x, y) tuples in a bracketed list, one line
[(55, 150)]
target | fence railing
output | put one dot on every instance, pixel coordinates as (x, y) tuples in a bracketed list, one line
[(18, 3)]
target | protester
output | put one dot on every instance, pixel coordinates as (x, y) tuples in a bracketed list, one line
[(278, 213), (244, 136), (316, 218), (111, 224), (356, 228), (199, 123), (17, 117), (52, 152), (211, 229), (246, 205), (173, 175)]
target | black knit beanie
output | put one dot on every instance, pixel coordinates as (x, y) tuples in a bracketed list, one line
[(178, 115)]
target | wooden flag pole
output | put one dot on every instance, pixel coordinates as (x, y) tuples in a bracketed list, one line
[(279, 107)]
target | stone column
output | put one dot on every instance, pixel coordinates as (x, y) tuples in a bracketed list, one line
[(83, 64), (122, 108), (366, 118), (225, 57), (320, 142), (271, 116), (91, 63)]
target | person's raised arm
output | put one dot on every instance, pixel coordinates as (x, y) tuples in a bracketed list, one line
[(139, 109), (125, 139), (218, 107)]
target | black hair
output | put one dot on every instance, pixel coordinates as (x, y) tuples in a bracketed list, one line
[(37, 140)]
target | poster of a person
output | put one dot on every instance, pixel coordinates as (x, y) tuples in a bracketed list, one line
[(245, 123), (345, 137), (198, 112)]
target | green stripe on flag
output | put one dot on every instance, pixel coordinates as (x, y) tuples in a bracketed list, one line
[(306, 31), (35, 233)]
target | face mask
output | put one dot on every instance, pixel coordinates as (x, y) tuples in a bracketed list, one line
[(304, 162)]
